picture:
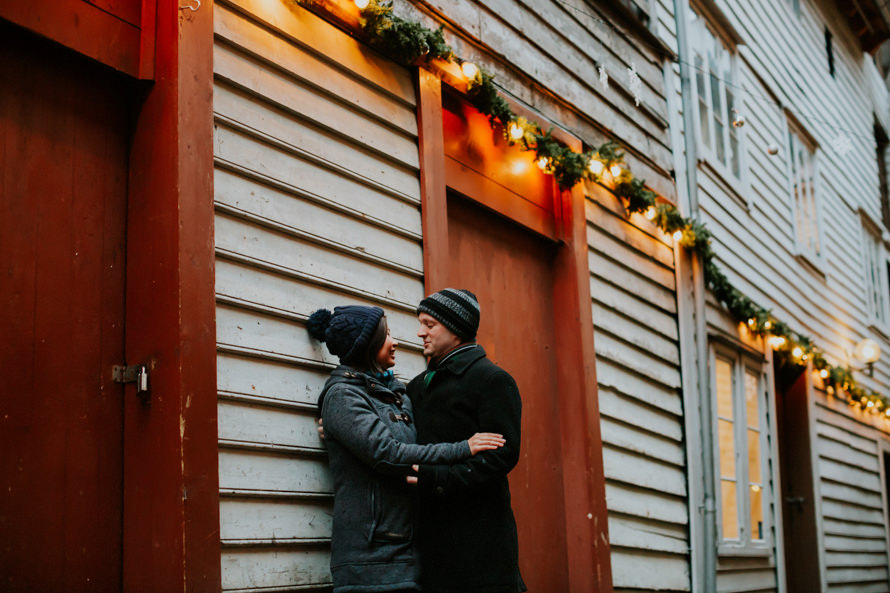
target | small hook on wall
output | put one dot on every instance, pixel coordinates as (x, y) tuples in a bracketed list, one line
[(190, 7)]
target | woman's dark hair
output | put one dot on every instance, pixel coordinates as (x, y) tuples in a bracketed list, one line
[(366, 360)]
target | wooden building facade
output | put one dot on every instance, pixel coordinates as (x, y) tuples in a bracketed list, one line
[(785, 113), (254, 160)]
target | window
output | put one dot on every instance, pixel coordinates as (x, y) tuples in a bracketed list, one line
[(802, 168), (715, 88), (741, 445), (874, 263), (881, 142)]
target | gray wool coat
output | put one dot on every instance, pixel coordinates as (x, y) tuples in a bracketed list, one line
[(370, 436)]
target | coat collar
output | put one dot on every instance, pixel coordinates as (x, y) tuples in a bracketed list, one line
[(459, 363)]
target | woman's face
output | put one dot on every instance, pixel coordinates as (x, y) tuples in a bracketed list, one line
[(386, 356)]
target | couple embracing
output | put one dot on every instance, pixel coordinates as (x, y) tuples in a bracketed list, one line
[(421, 499)]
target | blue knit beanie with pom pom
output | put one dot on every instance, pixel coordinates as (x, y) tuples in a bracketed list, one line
[(347, 331)]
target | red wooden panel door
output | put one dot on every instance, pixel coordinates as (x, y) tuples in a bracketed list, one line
[(63, 189), (510, 271)]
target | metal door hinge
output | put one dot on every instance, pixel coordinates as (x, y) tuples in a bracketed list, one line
[(137, 374)]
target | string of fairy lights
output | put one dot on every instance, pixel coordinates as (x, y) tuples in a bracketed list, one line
[(409, 42)]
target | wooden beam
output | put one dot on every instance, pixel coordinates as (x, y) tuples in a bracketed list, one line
[(171, 498), (433, 194)]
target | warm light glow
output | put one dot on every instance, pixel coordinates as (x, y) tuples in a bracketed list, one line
[(516, 132), (362, 4), (776, 342), (543, 163), (678, 235), (767, 325), (469, 69), (751, 322), (596, 167), (650, 213), (870, 404), (824, 373), (615, 170), (519, 166), (867, 351), (755, 488), (797, 352)]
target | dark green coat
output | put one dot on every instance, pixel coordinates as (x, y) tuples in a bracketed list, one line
[(467, 533)]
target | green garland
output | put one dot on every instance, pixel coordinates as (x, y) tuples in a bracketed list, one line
[(407, 42)]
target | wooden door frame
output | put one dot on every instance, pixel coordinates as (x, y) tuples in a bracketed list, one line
[(584, 486), (171, 539)]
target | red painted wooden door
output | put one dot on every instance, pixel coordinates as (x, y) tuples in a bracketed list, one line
[(63, 189), (510, 270)]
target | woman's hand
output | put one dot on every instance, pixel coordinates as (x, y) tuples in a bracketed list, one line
[(485, 441)]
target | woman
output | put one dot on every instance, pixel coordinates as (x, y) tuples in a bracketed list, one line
[(370, 436)]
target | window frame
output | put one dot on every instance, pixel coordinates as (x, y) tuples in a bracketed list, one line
[(698, 49), (741, 362), (793, 129), (878, 313)]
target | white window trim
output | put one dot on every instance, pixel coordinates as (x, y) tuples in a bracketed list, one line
[(741, 361), (816, 261), (736, 187)]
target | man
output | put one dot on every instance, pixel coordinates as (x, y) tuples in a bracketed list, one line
[(467, 533)]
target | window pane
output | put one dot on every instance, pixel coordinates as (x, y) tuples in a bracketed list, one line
[(754, 457), (733, 133), (725, 435), (704, 114), (724, 389), (756, 493), (718, 117), (752, 400), (730, 510)]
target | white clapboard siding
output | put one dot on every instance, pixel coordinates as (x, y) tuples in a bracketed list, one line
[(745, 575), (638, 373), (853, 508), (317, 204)]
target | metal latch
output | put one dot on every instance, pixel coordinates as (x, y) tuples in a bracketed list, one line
[(137, 374)]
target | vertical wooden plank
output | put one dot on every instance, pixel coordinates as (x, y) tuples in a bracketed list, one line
[(432, 180), (171, 508), (584, 484)]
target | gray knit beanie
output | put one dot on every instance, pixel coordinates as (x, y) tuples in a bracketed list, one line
[(456, 309)]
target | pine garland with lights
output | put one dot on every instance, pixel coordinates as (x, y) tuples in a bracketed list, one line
[(408, 42)]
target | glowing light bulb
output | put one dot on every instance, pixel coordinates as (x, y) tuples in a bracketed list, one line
[(751, 322), (777, 342), (596, 167), (469, 69), (767, 325), (543, 163), (678, 235), (824, 373), (516, 132), (797, 352), (615, 170), (870, 404), (362, 4), (650, 213)]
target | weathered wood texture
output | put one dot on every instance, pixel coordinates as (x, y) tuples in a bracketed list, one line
[(783, 76), (753, 220), (854, 520), (317, 199), (638, 373), (546, 53)]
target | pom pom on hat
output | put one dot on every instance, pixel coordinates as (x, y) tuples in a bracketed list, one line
[(318, 323)]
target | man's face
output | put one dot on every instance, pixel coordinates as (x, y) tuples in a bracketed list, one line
[(438, 340)]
